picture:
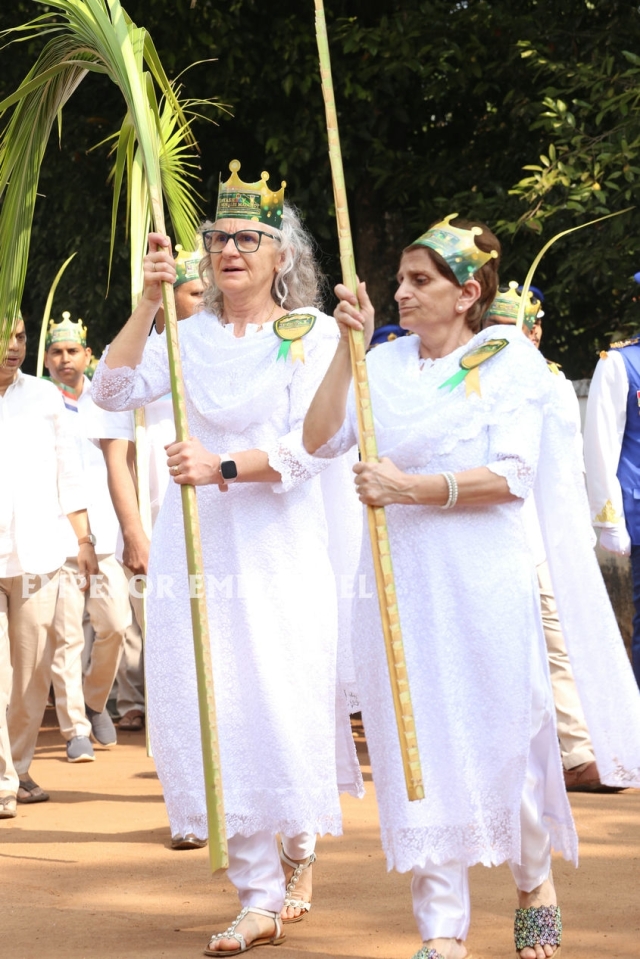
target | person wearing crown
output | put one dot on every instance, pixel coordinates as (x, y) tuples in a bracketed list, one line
[(41, 488), (81, 704), (462, 423), (252, 360)]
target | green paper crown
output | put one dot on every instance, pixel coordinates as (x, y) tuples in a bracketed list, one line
[(506, 304), (66, 331), (187, 263), (250, 201), (457, 247)]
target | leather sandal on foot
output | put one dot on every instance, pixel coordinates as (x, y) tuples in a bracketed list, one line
[(133, 720), (30, 792), (538, 926), (231, 933), (290, 901)]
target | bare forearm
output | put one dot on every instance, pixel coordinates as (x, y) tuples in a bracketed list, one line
[(328, 407), (128, 346), (122, 487), (80, 523), (476, 487)]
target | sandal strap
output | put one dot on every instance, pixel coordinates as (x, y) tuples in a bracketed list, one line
[(429, 953), (231, 933), (297, 904), (299, 867), (537, 926)]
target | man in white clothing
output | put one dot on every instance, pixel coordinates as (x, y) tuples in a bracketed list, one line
[(612, 456), (81, 705), (40, 484)]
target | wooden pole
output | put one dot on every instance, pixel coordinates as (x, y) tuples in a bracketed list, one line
[(368, 448)]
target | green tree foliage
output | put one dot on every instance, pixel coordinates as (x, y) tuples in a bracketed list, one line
[(439, 111)]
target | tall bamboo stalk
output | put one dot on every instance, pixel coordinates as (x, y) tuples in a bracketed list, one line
[(97, 36), (368, 448)]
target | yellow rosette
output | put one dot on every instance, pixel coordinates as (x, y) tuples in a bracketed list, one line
[(290, 329), (469, 366)]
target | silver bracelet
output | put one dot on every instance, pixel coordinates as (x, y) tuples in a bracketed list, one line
[(453, 491)]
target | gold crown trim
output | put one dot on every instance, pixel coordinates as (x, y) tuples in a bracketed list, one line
[(66, 331), (506, 305), (250, 201), (457, 247)]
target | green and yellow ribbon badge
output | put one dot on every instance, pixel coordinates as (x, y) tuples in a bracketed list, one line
[(290, 329), (469, 364)]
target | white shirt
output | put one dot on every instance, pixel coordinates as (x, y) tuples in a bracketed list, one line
[(86, 423), (40, 480), (603, 434)]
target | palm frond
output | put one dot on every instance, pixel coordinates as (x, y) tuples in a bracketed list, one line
[(97, 35)]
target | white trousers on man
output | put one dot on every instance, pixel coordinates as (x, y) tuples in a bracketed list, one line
[(107, 603), (255, 868), (27, 606)]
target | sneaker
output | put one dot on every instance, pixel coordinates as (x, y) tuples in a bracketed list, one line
[(80, 750), (104, 732)]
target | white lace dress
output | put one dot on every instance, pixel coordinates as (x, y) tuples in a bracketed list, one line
[(469, 610), (271, 590)]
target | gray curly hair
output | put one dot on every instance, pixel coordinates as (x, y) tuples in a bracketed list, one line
[(299, 281)]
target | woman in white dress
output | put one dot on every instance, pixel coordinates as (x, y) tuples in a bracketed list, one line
[(458, 417), (249, 377)]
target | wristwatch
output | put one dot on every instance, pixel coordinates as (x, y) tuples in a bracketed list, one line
[(228, 468), (87, 539)]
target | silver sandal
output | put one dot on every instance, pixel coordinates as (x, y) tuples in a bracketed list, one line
[(290, 901), (231, 933)]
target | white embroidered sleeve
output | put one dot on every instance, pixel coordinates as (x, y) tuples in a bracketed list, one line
[(127, 389), (288, 456), (514, 446)]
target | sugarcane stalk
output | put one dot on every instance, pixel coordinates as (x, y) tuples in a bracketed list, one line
[(378, 531)]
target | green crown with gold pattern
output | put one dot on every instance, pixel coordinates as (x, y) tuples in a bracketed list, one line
[(457, 247), (187, 263), (250, 201), (506, 304), (66, 331)]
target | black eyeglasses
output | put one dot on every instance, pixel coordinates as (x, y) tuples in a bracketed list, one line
[(246, 241)]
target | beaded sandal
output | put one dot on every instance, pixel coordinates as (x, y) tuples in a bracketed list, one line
[(538, 926), (231, 933), (290, 901), (429, 953)]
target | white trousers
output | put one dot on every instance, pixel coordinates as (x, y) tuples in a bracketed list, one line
[(440, 893), (255, 868), (110, 613)]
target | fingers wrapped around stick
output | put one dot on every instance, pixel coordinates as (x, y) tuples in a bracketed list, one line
[(158, 266), (191, 464), (380, 484), (354, 312)]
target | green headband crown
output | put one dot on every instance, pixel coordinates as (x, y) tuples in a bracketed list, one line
[(66, 331), (250, 201), (188, 262), (457, 247), (506, 304)]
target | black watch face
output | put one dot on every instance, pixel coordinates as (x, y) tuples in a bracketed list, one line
[(228, 469)]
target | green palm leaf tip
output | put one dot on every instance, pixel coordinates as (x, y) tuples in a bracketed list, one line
[(89, 35)]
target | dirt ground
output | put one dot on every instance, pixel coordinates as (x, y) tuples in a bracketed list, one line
[(90, 875)]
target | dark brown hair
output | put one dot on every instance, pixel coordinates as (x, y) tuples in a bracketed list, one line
[(487, 275)]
